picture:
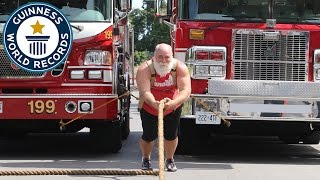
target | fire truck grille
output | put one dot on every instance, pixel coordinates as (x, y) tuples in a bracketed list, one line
[(9, 71), (281, 58)]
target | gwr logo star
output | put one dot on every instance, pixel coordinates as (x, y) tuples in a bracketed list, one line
[(37, 28), (40, 51)]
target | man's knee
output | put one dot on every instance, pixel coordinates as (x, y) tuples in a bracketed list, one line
[(149, 138), (170, 137)]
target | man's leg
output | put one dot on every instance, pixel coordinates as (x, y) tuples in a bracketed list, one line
[(171, 124), (149, 126), (170, 147), (146, 148)]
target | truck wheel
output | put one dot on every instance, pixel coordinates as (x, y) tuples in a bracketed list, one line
[(125, 127), (107, 137), (313, 138)]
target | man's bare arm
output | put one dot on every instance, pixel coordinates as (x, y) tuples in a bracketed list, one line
[(184, 86)]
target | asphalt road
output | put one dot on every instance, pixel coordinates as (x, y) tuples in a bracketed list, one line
[(223, 158)]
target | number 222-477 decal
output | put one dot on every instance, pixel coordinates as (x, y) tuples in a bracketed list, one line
[(40, 106)]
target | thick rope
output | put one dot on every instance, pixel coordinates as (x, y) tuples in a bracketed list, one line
[(226, 122), (107, 171), (83, 171), (76, 172), (161, 140)]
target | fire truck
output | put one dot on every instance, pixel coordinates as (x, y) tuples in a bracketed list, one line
[(86, 89), (254, 63)]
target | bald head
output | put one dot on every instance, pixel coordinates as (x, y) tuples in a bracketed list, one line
[(163, 59), (163, 49)]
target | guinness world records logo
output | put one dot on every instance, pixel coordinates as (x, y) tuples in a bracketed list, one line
[(37, 37)]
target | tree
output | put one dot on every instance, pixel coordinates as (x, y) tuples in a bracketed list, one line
[(148, 30), (140, 56)]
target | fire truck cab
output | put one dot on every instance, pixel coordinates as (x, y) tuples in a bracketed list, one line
[(83, 91), (254, 63)]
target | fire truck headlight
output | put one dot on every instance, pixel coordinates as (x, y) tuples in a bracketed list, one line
[(94, 74), (316, 65), (77, 74), (216, 70), (85, 106), (97, 57), (316, 56), (203, 70), (318, 74)]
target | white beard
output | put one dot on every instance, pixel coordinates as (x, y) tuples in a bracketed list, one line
[(163, 68)]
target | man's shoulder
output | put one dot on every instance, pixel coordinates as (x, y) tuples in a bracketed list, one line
[(180, 66), (143, 67)]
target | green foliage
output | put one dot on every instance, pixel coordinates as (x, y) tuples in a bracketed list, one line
[(148, 30), (140, 57)]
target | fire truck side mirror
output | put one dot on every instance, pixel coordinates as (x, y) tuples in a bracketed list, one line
[(126, 5), (163, 8)]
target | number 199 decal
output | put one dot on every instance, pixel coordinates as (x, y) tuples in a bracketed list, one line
[(40, 106)]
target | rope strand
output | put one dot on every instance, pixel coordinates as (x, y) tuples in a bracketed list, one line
[(159, 172), (161, 140), (77, 172)]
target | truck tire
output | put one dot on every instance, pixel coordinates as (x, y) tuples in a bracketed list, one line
[(125, 126), (107, 137)]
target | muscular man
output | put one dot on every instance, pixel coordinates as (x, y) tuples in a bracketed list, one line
[(154, 87)]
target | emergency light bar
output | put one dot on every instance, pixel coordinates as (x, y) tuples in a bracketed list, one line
[(207, 55)]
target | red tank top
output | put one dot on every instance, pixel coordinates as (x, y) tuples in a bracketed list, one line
[(163, 87)]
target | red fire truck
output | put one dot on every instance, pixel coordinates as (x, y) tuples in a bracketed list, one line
[(254, 63), (83, 88)]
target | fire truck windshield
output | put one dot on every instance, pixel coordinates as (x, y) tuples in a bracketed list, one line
[(284, 11), (74, 10)]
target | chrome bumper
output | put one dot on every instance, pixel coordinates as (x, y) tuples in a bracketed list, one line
[(258, 100)]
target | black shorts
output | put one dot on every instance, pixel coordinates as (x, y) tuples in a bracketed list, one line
[(150, 125)]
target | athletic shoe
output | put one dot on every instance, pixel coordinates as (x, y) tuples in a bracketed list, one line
[(170, 165), (146, 164)]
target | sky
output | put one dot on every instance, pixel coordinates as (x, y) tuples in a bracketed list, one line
[(136, 4)]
